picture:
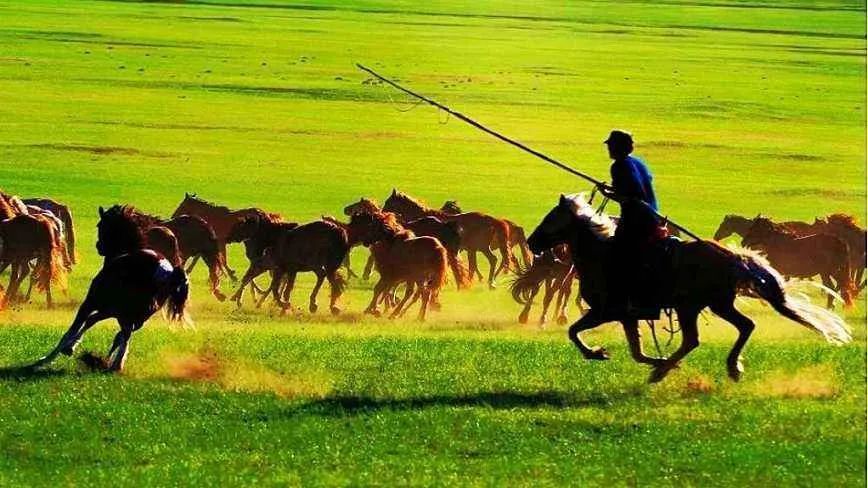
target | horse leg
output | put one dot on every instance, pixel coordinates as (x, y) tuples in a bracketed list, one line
[(369, 267), (320, 277), (492, 263), (416, 296), (522, 317), (587, 322), (221, 251), (407, 292), (379, 288), (121, 347), (346, 264), (634, 340), (252, 272), (566, 289), (16, 275), (69, 338), (473, 266), (335, 290), (689, 342), (192, 264), (745, 327), (827, 282), (426, 299), (547, 300)]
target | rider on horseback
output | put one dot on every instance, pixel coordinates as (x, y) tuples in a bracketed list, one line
[(639, 226)]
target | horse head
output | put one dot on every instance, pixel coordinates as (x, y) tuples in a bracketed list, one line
[(364, 205), (118, 231), (451, 207), (244, 229)]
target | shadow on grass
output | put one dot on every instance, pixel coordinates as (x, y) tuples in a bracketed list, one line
[(352, 405), (28, 373)]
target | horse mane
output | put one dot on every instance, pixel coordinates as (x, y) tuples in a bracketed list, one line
[(842, 220), (411, 201), (6, 210), (202, 201), (600, 224), (124, 220), (392, 225)]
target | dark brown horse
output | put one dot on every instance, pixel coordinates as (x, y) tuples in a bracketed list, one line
[(845, 228), (258, 236), (552, 271), (421, 263), (182, 238), (318, 247), (220, 218), (804, 256), (132, 285), (25, 239), (65, 215), (478, 231), (738, 225), (705, 275)]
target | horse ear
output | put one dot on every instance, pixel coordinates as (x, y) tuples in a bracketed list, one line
[(394, 192), (101, 211), (563, 200)]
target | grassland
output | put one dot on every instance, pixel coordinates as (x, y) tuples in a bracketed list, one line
[(740, 107)]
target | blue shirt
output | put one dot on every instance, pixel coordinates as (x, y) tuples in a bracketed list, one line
[(632, 180)]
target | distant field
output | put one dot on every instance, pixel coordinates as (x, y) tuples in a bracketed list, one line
[(739, 107)]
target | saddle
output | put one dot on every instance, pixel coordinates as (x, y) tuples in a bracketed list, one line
[(650, 284)]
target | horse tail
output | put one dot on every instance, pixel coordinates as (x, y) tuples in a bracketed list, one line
[(179, 293), (459, 270), (518, 237), (66, 218), (759, 278), (440, 274), (50, 266), (501, 234), (846, 281), (527, 282)]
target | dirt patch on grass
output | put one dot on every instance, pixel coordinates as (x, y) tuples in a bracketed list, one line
[(208, 365), (816, 381), (100, 150)]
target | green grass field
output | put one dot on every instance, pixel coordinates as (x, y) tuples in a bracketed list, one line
[(739, 106)]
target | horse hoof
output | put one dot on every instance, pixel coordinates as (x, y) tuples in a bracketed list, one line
[(735, 371), (491, 286), (562, 320), (219, 296), (598, 354), (660, 372), (335, 310), (313, 308), (522, 319)]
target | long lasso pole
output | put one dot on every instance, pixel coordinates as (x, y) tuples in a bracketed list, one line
[(508, 140)]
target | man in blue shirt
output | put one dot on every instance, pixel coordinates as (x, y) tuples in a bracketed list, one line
[(638, 226)]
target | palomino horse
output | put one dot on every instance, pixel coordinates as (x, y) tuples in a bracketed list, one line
[(419, 262), (318, 247), (132, 285), (191, 237), (25, 238), (804, 256), (448, 233), (65, 215), (516, 238), (220, 218), (478, 231), (258, 240), (705, 275), (552, 270)]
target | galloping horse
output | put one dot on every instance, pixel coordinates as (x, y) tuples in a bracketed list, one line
[(419, 262), (553, 270), (191, 237), (804, 256), (220, 218), (704, 275), (65, 215), (259, 236), (738, 225), (132, 285), (448, 233), (24, 238), (478, 231), (318, 247), (845, 228), (517, 238)]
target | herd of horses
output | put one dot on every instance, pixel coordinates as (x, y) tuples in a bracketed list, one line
[(414, 248)]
